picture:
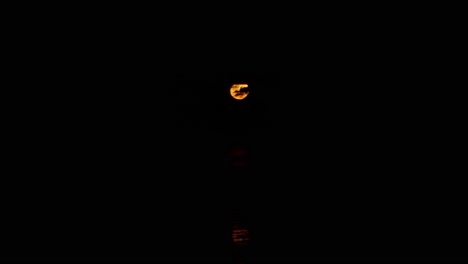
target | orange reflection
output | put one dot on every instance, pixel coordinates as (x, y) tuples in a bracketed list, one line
[(238, 151), (240, 236)]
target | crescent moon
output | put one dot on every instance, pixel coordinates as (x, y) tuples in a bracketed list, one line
[(237, 93)]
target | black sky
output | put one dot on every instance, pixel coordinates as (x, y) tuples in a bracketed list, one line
[(114, 154), (113, 151), (342, 159)]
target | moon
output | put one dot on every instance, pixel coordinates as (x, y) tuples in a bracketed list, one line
[(239, 91)]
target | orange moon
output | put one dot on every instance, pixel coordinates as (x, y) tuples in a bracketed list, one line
[(239, 92)]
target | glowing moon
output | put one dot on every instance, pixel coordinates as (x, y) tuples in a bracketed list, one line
[(239, 91)]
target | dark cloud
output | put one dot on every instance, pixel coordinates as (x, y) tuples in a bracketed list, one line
[(242, 91)]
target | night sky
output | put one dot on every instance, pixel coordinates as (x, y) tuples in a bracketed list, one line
[(339, 168), (116, 137)]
